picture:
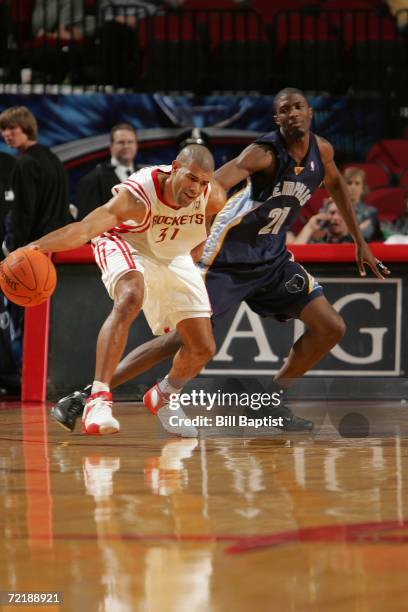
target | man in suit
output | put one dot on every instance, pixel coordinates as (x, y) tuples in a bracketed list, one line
[(95, 188)]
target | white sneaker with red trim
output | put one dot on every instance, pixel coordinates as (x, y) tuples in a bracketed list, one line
[(97, 418), (175, 421)]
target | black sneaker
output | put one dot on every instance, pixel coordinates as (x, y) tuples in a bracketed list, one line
[(68, 409), (291, 422)]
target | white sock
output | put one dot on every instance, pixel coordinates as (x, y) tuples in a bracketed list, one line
[(98, 386), (166, 387)]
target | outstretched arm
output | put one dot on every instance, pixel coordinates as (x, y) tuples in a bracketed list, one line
[(254, 158), (337, 188), (121, 207)]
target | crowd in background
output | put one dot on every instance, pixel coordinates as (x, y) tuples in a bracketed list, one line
[(186, 45), (328, 226), (34, 190), (66, 18)]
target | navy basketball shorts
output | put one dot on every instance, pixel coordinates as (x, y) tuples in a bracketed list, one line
[(281, 293)]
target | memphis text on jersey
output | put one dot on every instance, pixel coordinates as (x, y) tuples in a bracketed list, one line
[(295, 189)]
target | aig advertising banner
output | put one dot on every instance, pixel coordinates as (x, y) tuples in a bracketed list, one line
[(371, 346)]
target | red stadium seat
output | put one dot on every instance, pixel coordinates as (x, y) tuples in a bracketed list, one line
[(391, 153), (22, 10), (296, 26), (21, 13), (351, 4), (390, 202), (363, 26), (311, 208), (376, 175), (268, 9), (403, 179), (236, 26), (172, 27), (209, 4), (316, 201)]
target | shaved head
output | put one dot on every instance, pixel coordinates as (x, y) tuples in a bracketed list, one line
[(287, 92), (192, 172), (197, 154)]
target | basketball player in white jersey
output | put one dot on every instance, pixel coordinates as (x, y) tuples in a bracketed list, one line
[(142, 240)]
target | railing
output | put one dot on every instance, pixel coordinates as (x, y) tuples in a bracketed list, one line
[(99, 47), (339, 51)]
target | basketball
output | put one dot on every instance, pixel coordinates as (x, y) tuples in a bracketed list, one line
[(27, 277)]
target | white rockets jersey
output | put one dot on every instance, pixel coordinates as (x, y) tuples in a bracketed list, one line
[(166, 231)]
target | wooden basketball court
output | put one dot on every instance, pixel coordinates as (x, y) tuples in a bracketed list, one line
[(141, 521)]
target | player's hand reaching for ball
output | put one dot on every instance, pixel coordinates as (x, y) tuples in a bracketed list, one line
[(365, 257)]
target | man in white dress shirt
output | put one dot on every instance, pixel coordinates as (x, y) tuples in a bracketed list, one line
[(95, 188)]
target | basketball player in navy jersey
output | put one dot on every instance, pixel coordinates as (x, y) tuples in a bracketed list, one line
[(245, 257)]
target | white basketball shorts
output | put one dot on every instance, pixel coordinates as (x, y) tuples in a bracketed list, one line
[(174, 290)]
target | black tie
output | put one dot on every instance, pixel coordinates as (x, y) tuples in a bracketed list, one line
[(129, 172)]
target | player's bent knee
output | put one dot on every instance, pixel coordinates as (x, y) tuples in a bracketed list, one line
[(129, 301), (328, 331), (204, 351), (336, 328)]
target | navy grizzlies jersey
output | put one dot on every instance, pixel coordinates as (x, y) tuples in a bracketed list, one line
[(251, 228)]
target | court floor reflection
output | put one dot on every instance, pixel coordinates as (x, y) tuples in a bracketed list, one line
[(139, 521)]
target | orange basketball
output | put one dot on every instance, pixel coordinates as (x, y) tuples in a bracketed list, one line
[(27, 277)]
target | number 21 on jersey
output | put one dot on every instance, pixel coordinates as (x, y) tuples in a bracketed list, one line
[(277, 216)]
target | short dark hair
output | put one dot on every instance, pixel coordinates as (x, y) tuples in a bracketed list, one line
[(288, 91), (122, 126), (196, 153), (20, 116)]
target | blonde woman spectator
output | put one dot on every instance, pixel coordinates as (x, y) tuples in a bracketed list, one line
[(366, 215)]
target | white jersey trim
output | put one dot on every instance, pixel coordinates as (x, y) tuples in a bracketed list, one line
[(139, 194)]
